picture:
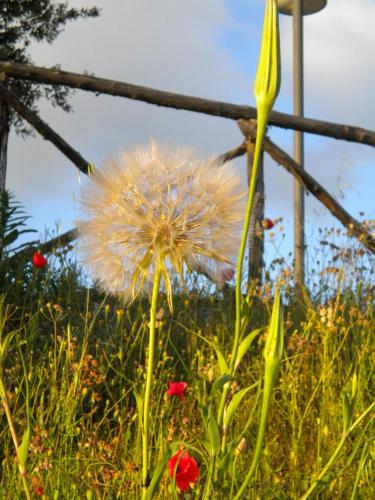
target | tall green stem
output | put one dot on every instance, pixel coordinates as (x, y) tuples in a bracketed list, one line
[(261, 126), (269, 379), (149, 376), (22, 469)]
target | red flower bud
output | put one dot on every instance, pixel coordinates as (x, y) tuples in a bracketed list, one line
[(177, 389), (184, 468), (267, 224), (38, 260), (38, 489), (227, 274)]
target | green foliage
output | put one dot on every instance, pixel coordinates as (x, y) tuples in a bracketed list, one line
[(13, 225), (23, 22), (13, 219), (84, 359), (157, 475)]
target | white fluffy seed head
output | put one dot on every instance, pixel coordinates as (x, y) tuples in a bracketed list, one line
[(158, 204)]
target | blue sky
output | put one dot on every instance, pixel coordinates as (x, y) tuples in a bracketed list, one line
[(208, 49)]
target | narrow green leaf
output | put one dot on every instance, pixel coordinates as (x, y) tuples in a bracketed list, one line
[(347, 412), (273, 349), (236, 400), (213, 433), (223, 462), (10, 238), (23, 450), (245, 346), (24, 231), (139, 401), (245, 308), (204, 413), (206, 445), (4, 346), (157, 475), (222, 363), (220, 382)]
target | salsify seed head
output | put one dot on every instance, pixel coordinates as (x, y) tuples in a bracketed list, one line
[(159, 206)]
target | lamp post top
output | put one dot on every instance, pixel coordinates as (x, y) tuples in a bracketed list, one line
[(308, 6)]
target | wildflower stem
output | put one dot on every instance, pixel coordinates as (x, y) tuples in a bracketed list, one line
[(8, 413), (269, 378), (149, 376), (266, 89), (261, 127)]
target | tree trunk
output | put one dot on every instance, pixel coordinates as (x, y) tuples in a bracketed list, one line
[(256, 239), (4, 135)]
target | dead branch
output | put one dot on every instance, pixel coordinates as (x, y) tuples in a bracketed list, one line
[(232, 154), (49, 246), (55, 76), (50, 135), (44, 129), (355, 228)]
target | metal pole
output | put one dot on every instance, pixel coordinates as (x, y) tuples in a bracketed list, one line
[(298, 145)]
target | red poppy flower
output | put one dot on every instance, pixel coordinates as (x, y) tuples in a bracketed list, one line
[(177, 389), (267, 224), (38, 260), (184, 468)]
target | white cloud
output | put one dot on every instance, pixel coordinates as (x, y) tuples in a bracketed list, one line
[(179, 46), (339, 44), (339, 78), (169, 45)]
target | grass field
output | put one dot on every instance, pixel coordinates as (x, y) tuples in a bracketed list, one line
[(74, 369)]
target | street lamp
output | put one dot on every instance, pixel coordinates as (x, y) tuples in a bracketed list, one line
[(308, 6), (299, 8)]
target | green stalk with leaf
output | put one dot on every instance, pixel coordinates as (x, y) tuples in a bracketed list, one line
[(266, 89), (23, 447), (273, 352)]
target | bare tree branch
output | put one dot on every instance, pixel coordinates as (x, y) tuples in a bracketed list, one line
[(61, 240), (232, 154), (247, 127), (50, 135), (50, 245), (55, 76), (355, 228), (44, 129)]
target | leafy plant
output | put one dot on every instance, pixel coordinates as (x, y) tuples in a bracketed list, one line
[(13, 218)]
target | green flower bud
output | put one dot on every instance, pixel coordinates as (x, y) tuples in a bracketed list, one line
[(273, 349), (268, 77)]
